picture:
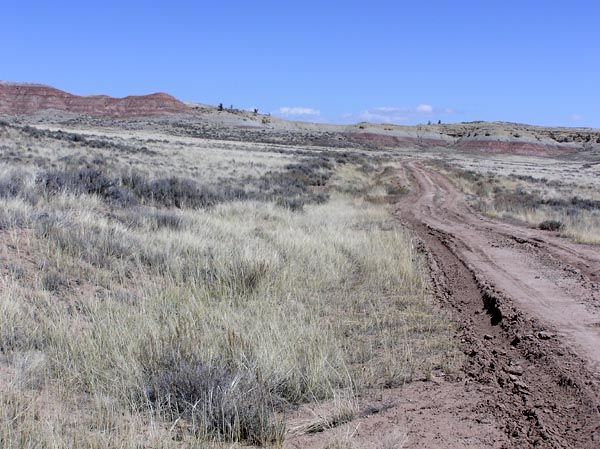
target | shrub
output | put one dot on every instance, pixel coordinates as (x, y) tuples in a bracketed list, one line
[(12, 184), (585, 203), (164, 219), (54, 282), (293, 204), (311, 172), (218, 402), (177, 192), (293, 187), (397, 190), (85, 181), (550, 225)]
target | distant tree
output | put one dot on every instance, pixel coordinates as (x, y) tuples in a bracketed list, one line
[(429, 122), (439, 122), (220, 107), (255, 111), (231, 108)]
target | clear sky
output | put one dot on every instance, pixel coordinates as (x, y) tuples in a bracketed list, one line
[(346, 61)]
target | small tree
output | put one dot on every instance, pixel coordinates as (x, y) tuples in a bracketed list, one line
[(220, 107)]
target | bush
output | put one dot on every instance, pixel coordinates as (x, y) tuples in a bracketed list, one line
[(164, 219), (293, 204), (585, 203), (54, 282), (550, 225), (292, 187), (218, 402), (90, 181), (176, 192), (311, 172), (397, 190), (12, 184)]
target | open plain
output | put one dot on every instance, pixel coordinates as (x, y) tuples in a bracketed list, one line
[(180, 276)]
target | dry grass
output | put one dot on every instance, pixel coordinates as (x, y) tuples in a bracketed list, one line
[(571, 209), (135, 326)]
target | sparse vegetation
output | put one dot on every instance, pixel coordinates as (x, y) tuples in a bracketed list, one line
[(572, 210), (147, 307)]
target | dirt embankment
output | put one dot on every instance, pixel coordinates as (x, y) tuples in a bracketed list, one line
[(467, 144), (514, 147), (16, 99), (527, 306), (393, 141)]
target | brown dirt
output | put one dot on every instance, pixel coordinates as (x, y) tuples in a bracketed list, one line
[(391, 141), (440, 413), (526, 305), (476, 145), (514, 147), (18, 99)]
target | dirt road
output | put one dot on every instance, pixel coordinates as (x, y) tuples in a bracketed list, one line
[(528, 304)]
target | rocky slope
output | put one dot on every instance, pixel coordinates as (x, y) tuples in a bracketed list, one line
[(17, 99)]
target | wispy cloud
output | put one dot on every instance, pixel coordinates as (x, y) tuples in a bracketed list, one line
[(576, 117), (297, 111), (383, 115), (400, 115), (424, 109)]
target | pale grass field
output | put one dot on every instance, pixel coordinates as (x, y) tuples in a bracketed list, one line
[(207, 160), (149, 326), (532, 200)]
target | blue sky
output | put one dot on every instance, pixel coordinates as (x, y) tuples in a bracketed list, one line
[(396, 61)]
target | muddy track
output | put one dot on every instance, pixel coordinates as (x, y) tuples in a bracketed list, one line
[(526, 304)]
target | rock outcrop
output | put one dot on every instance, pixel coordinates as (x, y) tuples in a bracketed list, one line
[(17, 99)]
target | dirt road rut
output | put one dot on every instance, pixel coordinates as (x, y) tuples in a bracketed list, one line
[(528, 307)]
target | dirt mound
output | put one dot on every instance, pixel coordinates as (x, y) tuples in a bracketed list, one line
[(16, 99)]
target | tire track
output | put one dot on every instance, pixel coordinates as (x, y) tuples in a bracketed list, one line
[(539, 379)]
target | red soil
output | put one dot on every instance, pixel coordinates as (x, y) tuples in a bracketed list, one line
[(521, 148), (474, 145), (387, 140), (18, 99)]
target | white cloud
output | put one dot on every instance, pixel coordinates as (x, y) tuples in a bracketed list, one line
[(390, 109), (400, 115), (297, 111), (383, 115), (576, 117), (424, 109)]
